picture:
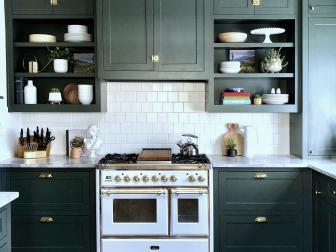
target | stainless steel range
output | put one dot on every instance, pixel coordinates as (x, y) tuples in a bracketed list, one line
[(150, 206)]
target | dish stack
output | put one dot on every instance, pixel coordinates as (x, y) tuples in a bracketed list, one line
[(275, 99), (236, 98), (229, 67), (77, 33)]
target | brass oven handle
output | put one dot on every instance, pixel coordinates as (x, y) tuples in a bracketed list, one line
[(261, 175), (133, 191), (46, 220), (261, 220), (45, 175), (188, 191)]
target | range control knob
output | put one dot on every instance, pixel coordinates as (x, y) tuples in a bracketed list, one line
[(164, 178), (117, 178), (201, 179), (145, 179), (191, 178), (155, 179), (136, 179), (173, 179), (127, 179)]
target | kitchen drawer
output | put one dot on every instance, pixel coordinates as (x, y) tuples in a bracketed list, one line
[(161, 245), (4, 215), (46, 191), (64, 233), (242, 233), (322, 7), (268, 191)]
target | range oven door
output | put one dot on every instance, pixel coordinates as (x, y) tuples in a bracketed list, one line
[(134, 212), (189, 212)]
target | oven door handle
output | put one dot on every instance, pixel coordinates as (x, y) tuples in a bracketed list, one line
[(134, 191), (189, 191)]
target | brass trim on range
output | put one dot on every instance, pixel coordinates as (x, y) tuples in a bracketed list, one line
[(261, 175), (45, 175), (261, 219), (189, 191), (158, 191), (46, 220)]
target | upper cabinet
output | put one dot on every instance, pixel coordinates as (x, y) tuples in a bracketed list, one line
[(50, 7), (148, 40), (254, 7), (322, 6)]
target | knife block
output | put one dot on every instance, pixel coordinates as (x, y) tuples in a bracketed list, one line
[(23, 152)]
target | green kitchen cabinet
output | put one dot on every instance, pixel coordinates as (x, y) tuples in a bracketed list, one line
[(31, 7), (274, 7), (238, 7), (5, 229), (323, 7)]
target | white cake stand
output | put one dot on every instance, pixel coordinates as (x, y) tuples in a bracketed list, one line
[(267, 32)]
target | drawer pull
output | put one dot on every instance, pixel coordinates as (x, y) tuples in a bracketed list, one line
[(318, 192), (260, 175), (334, 192), (256, 2), (312, 8), (53, 2), (46, 220), (155, 247), (261, 220), (44, 175)]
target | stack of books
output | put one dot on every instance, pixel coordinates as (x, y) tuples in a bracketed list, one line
[(236, 98)]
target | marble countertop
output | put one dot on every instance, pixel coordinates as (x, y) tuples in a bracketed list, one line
[(7, 197)]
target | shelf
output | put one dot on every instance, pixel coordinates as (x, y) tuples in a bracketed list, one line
[(54, 108), (55, 75), (253, 75), (57, 44), (289, 108), (253, 45)]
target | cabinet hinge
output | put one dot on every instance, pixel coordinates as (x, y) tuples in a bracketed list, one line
[(256, 2), (155, 58)]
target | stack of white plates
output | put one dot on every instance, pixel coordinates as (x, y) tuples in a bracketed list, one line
[(77, 33), (229, 67), (275, 99)]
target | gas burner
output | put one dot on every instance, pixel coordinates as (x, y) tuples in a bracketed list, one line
[(119, 159), (198, 159)]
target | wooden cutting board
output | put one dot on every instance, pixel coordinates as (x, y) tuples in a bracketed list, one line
[(235, 133), (155, 155)]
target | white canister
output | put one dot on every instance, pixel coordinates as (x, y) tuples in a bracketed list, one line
[(60, 65), (30, 93), (85, 94), (250, 141)]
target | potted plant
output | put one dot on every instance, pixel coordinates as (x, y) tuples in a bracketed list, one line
[(77, 146), (257, 99), (61, 56), (273, 62), (55, 96), (230, 147)]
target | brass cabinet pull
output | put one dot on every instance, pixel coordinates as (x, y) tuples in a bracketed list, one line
[(155, 58), (261, 220), (46, 220), (260, 175), (53, 2), (312, 7), (256, 2), (45, 175)]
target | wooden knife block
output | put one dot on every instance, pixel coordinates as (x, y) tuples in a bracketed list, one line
[(21, 153)]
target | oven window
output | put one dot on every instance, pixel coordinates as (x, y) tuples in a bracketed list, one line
[(134, 211), (188, 210)]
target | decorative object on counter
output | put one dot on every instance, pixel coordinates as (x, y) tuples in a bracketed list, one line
[(278, 91), (273, 91), (61, 57), (85, 94), (267, 32), (236, 98), (250, 140), (42, 38), (234, 133), (32, 63), (77, 33), (36, 146), (273, 62), (19, 90), (84, 63), (70, 136), (70, 94), (257, 99), (230, 147), (30, 93), (55, 96), (275, 99), (232, 37), (188, 148), (93, 142), (229, 67), (247, 59), (77, 146)]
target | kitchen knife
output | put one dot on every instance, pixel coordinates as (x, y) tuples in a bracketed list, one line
[(21, 138), (28, 137)]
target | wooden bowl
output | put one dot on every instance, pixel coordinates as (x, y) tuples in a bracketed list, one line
[(70, 94), (232, 37)]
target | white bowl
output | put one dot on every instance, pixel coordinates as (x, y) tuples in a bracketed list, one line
[(234, 64), (77, 29), (232, 37), (229, 70), (42, 38)]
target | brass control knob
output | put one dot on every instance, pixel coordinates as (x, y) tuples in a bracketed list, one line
[(117, 178), (164, 178), (127, 179), (136, 179), (191, 178), (145, 179), (201, 179), (173, 179), (155, 179)]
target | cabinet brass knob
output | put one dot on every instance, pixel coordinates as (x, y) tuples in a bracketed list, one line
[(261, 220), (136, 179), (145, 179), (155, 58), (127, 179), (201, 179), (164, 178), (117, 179), (191, 178), (53, 2), (260, 175), (46, 220), (312, 7), (45, 175), (173, 179), (256, 2)]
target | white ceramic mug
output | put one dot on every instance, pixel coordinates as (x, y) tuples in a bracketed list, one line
[(85, 94)]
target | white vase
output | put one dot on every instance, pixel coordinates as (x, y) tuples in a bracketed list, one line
[(250, 141), (85, 94), (30, 93), (60, 65)]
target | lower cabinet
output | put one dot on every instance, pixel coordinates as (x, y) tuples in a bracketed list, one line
[(5, 229), (55, 210)]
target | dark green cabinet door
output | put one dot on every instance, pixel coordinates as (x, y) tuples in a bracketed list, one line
[(179, 37), (322, 79), (5, 229), (271, 7), (74, 7), (233, 7), (31, 7), (322, 7), (127, 35)]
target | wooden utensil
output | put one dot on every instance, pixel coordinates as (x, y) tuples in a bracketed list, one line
[(237, 136), (155, 155)]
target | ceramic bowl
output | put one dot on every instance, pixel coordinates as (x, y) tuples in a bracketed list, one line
[(230, 64), (42, 38), (77, 29), (232, 37), (229, 70)]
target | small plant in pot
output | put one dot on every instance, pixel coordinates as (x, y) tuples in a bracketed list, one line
[(77, 146), (61, 56), (257, 99), (230, 147), (55, 96), (273, 62)]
